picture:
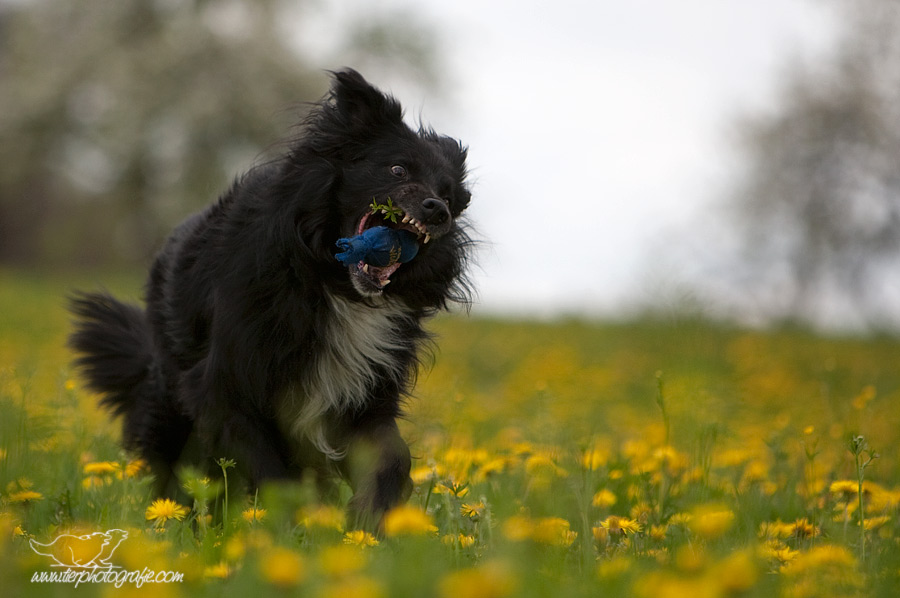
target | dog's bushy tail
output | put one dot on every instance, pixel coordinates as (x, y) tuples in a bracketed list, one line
[(115, 348)]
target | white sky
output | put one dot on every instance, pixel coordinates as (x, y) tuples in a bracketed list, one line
[(596, 128)]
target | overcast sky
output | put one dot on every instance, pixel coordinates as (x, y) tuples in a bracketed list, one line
[(599, 128)]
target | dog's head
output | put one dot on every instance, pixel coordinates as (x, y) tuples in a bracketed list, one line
[(386, 174)]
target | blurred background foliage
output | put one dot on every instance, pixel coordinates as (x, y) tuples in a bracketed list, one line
[(815, 207), (119, 118)]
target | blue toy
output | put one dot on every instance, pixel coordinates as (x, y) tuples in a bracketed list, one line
[(378, 246)]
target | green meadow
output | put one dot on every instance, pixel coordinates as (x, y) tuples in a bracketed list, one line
[(659, 457)]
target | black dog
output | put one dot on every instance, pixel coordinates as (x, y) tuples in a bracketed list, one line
[(257, 344)]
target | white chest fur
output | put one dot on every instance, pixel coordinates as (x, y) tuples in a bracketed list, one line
[(358, 344)]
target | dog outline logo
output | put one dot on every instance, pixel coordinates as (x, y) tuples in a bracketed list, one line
[(87, 551)]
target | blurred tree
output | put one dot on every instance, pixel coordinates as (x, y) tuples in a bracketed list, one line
[(820, 202), (117, 118)]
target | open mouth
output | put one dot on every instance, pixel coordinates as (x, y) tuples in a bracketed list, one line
[(373, 277)]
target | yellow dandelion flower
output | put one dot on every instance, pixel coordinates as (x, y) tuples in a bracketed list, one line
[(756, 471), (360, 538), (775, 529), (641, 512), (824, 557), (769, 487), (669, 457), (521, 449), (218, 571), (491, 468), (235, 548), (19, 532), (604, 499), (775, 550), (732, 457), (613, 568), (681, 519), (457, 489), (711, 521), (134, 468), (202, 489), (620, 525), (254, 515), (658, 532), (875, 522), (864, 397), (738, 572), (802, 528), (101, 468), (543, 465), (660, 584), (879, 498), (341, 559), (322, 517), (163, 509), (518, 528), (353, 587), (491, 580), (25, 496), (595, 457), (844, 489), (554, 531), (282, 567), (461, 459), (635, 449), (690, 558), (19, 484), (94, 482), (601, 534), (258, 539), (461, 540), (424, 474), (472, 510), (408, 521)]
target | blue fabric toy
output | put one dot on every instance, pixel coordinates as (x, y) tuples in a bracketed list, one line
[(379, 246)]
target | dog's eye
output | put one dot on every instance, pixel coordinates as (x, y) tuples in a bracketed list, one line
[(398, 171)]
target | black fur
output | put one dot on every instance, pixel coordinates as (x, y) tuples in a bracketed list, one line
[(256, 343)]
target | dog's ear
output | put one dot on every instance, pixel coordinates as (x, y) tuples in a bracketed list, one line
[(343, 125), (362, 106)]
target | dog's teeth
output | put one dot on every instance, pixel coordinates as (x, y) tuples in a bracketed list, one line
[(406, 218), (385, 283), (427, 237), (366, 268)]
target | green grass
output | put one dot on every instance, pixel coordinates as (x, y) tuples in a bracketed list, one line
[(657, 457)]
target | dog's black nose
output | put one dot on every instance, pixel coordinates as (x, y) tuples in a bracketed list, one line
[(435, 211)]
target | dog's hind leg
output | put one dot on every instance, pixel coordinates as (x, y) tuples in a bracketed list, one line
[(116, 357)]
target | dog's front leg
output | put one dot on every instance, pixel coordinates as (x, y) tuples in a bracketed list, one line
[(377, 468), (228, 427)]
